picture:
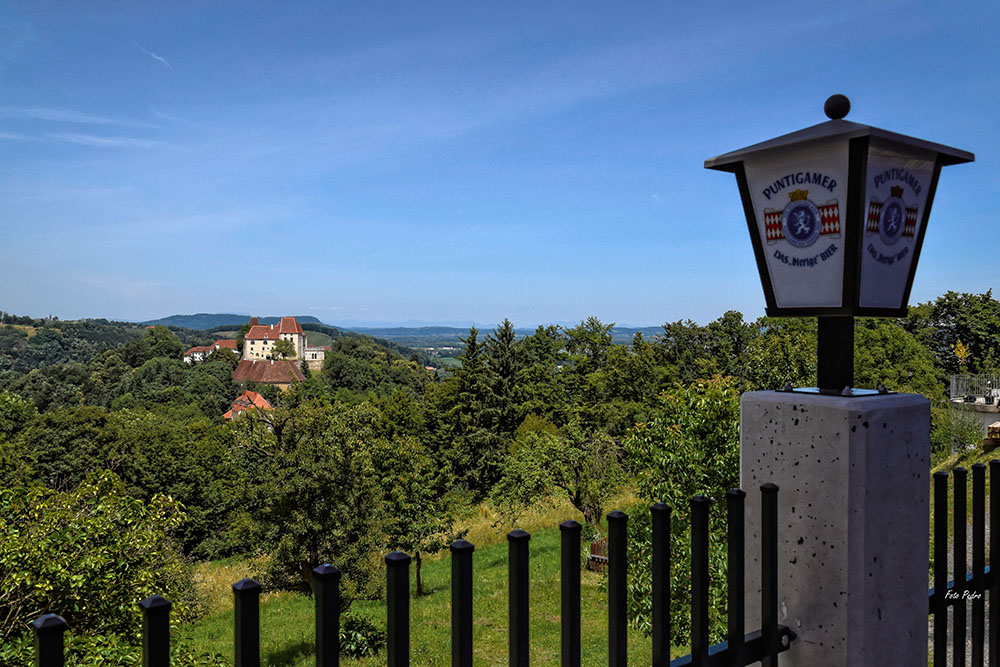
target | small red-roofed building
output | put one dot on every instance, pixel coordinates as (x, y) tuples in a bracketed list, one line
[(199, 353), (248, 399)]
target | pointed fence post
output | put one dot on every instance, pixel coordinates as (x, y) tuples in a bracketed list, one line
[(155, 631), (699, 580), (246, 623), (517, 604), (326, 591), (960, 566), (736, 571), (570, 592), (978, 561), (49, 647), (461, 603), (617, 589), (398, 608), (940, 567), (661, 584)]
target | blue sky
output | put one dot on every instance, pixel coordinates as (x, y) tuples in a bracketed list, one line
[(453, 162)]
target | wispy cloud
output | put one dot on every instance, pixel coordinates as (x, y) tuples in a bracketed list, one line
[(104, 142), (7, 136), (152, 55), (67, 116)]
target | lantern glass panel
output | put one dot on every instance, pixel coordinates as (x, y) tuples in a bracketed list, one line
[(898, 183), (799, 196)]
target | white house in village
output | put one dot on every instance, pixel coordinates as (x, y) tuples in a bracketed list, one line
[(199, 353)]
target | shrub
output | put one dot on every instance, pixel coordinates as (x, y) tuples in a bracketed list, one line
[(359, 637), (89, 555)]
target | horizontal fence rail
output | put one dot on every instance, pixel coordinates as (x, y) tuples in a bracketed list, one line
[(966, 587), (740, 649)]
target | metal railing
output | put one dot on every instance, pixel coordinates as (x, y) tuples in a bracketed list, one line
[(967, 588), (740, 649), (985, 385)]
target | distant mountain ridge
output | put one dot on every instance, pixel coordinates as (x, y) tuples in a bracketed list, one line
[(418, 337), (407, 337), (206, 321)]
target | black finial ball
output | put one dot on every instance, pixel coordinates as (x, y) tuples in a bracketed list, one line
[(837, 106)]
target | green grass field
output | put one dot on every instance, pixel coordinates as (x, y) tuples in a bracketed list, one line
[(287, 619)]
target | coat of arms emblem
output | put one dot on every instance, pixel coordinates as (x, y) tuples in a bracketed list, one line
[(801, 222), (891, 219)]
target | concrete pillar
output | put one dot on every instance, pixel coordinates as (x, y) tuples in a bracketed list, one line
[(853, 527)]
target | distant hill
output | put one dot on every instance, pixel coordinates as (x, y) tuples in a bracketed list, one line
[(406, 341), (421, 337), (207, 321)]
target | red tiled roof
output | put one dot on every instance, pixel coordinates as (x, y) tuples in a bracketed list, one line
[(248, 399), (273, 372), (289, 325), (200, 348), (225, 342), (262, 332)]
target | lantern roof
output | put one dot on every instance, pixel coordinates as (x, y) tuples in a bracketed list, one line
[(836, 129)]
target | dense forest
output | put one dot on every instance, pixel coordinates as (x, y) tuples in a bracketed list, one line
[(117, 469)]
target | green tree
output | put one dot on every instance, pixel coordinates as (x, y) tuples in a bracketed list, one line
[(475, 451), (283, 349), (62, 446), (540, 385), (589, 346), (683, 349), (15, 414), (973, 319), (310, 492), (361, 365), (226, 357), (585, 467), (158, 341), (691, 447), (418, 521), (502, 361), (885, 353), (727, 339), (784, 353)]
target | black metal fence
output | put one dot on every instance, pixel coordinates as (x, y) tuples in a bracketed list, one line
[(967, 589), (740, 649)]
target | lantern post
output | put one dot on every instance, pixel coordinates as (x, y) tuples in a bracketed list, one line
[(837, 214)]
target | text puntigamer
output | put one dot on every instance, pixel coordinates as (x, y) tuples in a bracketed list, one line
[(799, 178), (898, 175)]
